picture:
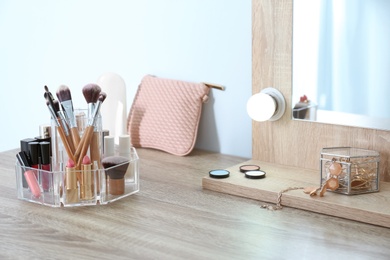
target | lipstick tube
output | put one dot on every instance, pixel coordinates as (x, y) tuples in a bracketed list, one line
[(46, 177), (86, 180), (71, 183), (33, 148)]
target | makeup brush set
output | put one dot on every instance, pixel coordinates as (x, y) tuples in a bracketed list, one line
[(76, 171)]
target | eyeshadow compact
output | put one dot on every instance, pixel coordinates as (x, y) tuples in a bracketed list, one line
[(249, 167), (219, 174), (255, 174)]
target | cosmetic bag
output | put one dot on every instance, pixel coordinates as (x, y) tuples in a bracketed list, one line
[(165, 114)]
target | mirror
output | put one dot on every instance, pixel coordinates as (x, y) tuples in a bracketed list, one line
[(341, 62)]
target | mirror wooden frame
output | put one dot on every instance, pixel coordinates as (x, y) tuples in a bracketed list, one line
[(286, 141)]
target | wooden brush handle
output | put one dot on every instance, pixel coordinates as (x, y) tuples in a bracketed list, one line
[(70, 143), (75, 136), (85, 144), (65, 142), (80, 145), (94, 148)]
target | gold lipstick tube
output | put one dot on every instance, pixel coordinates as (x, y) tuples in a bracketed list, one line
[(86, 182), (71, 185)]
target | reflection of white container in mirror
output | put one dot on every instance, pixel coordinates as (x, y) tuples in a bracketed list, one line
[(114, 110)]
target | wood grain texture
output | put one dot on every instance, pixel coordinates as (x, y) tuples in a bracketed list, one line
[(287, 141), (368, 208), (172, 217)]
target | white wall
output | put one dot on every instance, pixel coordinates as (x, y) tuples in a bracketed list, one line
[(73, 42)]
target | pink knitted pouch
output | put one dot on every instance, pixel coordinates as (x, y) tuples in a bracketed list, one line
[(165, 114)]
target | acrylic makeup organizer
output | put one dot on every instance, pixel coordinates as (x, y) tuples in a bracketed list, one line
[(358, 169), (56, 188), (52, 186)]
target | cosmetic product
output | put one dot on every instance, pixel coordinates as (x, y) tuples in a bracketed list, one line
[(45, 166), (91, 94), (33, 148), (219, 174), (22, 158), (63, 120), (23, 161), (71, 182), (44, 131), (124, 150), (65, 97), (24, 147), (53, 109), (115, 168), (249, 167), (25, 153), (105, 133), (255, 174), (44, 135), (109, 146), (86, 180), (80, 121), (88, 133), (94, 148), (32, 183)]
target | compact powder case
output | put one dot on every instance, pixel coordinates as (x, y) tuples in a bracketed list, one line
[(219, 174), (255, 174), (249, 167)]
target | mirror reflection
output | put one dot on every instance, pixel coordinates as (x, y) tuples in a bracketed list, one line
[(341, 62)]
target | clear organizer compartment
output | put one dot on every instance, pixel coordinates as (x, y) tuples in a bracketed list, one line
[(356, 170), (70, 188)]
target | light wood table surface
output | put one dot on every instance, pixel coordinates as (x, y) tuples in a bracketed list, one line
[(173, 217)]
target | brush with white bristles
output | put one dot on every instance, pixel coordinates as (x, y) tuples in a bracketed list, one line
[(65, 97)]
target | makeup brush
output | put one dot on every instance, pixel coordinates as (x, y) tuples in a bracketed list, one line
[(62, 119), (48, 93), (88, 133), (116, 167), (94, 148), (57, 111), (51, 104), (91, 94), (65, 97)]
